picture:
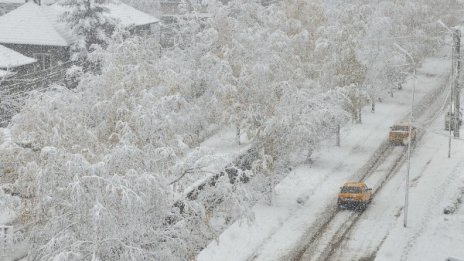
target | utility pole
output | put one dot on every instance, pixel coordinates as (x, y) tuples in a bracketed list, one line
[(451, 98), (450, 113), (454, 112), (456, 74)]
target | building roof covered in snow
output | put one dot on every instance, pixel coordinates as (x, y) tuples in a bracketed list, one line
[(12, 59), (44, 2), (129, 16), (31, 24), (12, 1), (125, 14)]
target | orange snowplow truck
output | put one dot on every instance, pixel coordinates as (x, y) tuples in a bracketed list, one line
[(399, 134), (354, 195)]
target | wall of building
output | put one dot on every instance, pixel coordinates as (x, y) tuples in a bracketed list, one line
[(57, 54)]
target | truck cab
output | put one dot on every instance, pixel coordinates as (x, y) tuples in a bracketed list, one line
[(354, 195)]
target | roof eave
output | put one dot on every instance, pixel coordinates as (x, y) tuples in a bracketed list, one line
[(7, 66), (32, 43)]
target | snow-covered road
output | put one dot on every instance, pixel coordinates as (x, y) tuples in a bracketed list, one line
[(332, 234), (430, 235), (305, 198), (337, 230)]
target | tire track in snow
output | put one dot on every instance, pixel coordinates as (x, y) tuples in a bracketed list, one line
[(424, 110), (309, 252), (314, 232), (343, 227), (368, 250), (316, 186), (427, 119)]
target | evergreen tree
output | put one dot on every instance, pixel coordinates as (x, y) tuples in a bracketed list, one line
[(93, 29)]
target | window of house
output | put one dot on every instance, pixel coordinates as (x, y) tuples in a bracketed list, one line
[(43, 61)]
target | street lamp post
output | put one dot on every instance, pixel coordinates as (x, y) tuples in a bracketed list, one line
[(451, 91), (406, 197), (453, 117)]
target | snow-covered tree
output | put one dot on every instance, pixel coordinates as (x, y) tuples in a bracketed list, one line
[(87, 20), (111, 170)]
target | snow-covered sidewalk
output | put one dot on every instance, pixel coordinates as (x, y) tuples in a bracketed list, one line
[(304, 195), (224, 149)]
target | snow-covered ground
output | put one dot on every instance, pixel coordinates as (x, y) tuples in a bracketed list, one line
[(6, 216), (222, 144), (305, 196)]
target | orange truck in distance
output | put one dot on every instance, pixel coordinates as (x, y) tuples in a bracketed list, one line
[(354, 195), (399, 134)]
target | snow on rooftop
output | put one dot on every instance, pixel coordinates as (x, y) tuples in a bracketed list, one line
[(12, 1), (48, 2), (125, 14), (128, 15), (39, 25), (11, 59), (31, 24), (44, 2)]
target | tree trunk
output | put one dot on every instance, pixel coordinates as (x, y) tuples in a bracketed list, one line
[(309, 160), (338, 135), (359, 115), (354, 115), (237, 135), (372, 105), (271, 197)]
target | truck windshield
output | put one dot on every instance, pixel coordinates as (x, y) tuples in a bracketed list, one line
[(351, 190), (400, 128)]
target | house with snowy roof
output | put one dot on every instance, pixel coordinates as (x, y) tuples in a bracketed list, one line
[(7, 6), (12, 62), (35, 30)]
